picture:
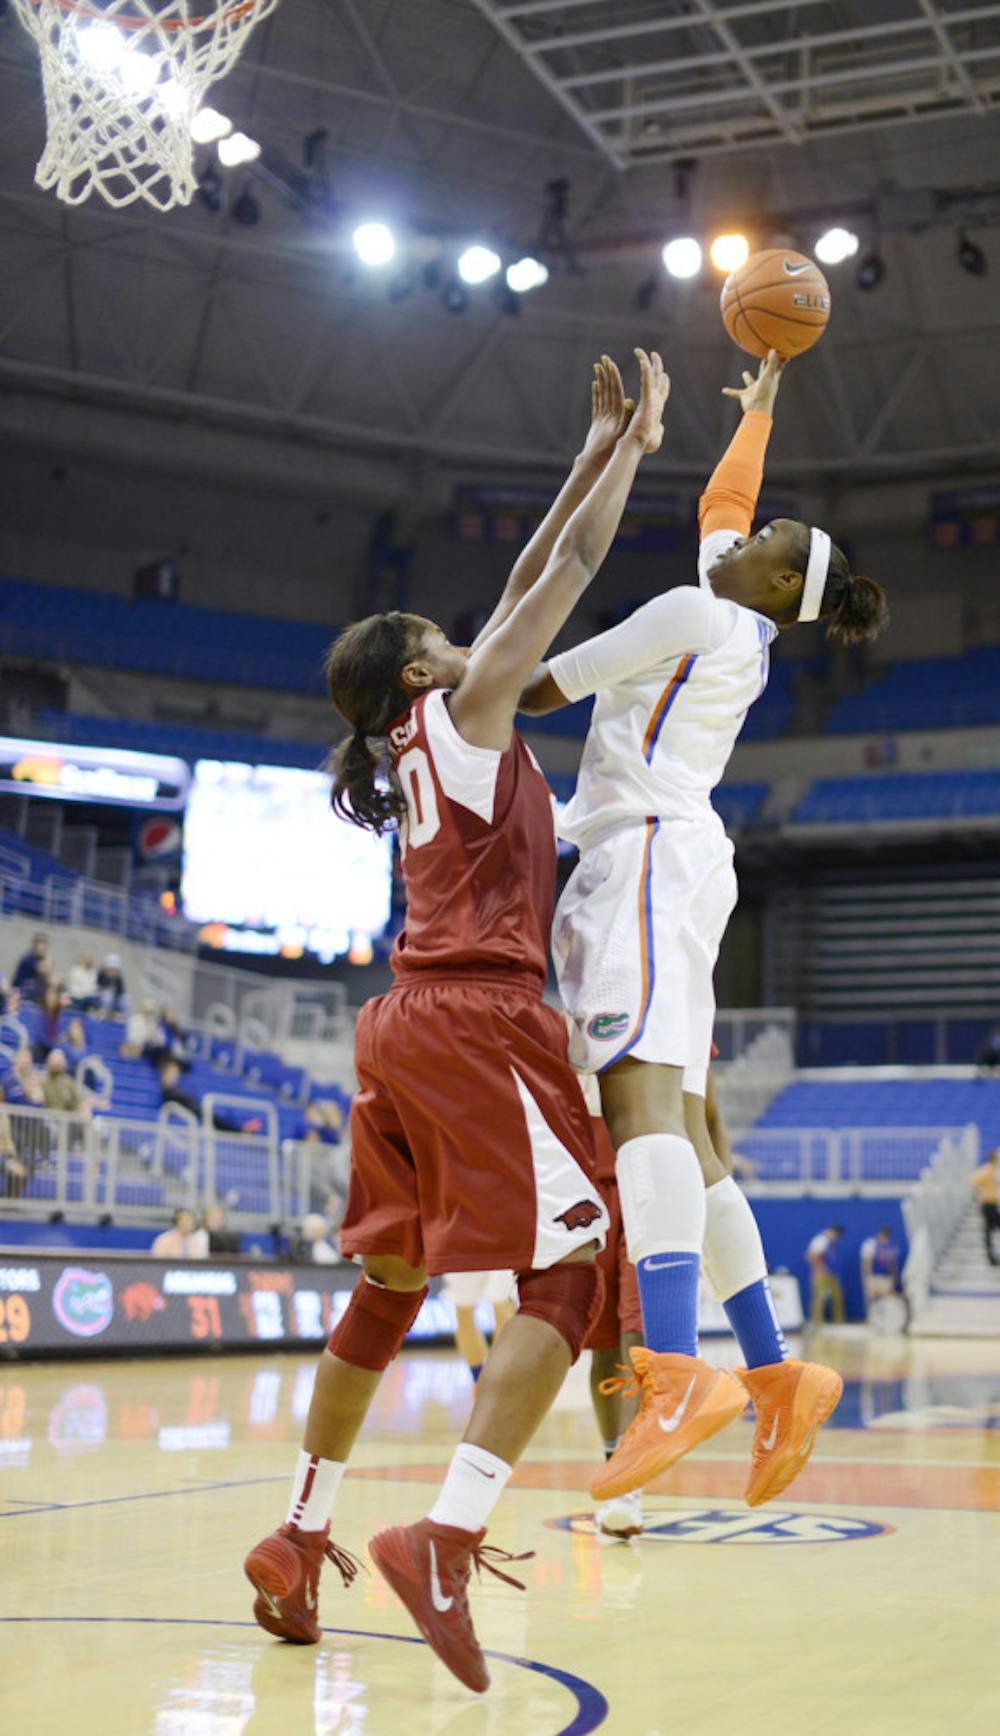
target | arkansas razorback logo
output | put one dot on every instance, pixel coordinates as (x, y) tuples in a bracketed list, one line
[(141, 1302), (580, 1215)]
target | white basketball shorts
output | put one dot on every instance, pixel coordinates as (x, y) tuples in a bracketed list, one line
[(635, 942), (465, 1289)]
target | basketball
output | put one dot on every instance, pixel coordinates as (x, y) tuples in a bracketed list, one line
[(776, 301)]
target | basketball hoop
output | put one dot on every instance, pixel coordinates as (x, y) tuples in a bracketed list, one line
[(123, 80)]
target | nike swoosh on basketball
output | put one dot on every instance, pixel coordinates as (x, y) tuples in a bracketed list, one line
[(796, 270), (440, 1602), (772, 1437), (675, 1421)]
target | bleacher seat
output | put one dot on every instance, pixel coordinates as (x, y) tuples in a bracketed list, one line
[(183, 741), (71, 624), (890, 1103), (933, 693), (901, 796)]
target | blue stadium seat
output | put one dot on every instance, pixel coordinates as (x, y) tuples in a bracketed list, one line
[(900, 796), (933, 693)]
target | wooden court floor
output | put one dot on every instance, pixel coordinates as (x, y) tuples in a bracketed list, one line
[(867, 1601)]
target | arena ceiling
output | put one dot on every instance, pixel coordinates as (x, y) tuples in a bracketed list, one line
[(451, 119)]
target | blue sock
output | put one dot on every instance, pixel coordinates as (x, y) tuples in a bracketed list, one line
[(752, 1315), (668, 1291), (475, 1369)]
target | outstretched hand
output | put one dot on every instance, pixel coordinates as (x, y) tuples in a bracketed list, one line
[(610, 412), (646, 426), (759, 393)]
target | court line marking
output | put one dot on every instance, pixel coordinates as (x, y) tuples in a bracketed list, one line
[(591, 1705), (143, 1495)]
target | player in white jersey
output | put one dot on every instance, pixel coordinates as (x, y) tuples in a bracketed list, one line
[(637, 934)]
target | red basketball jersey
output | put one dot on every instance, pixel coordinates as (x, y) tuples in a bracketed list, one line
[(478, 847)]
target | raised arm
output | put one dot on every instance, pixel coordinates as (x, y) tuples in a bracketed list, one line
[(730, 499), (610, 415), (484, 703)]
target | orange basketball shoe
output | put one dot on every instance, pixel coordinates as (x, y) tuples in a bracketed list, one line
[(792, 1401), (682, 1402), (284, 1571), (427, 1566)]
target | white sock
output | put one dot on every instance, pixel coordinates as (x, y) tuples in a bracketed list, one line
[(313, 1492), (475, 1482), (733, 1253), (662, 1195)]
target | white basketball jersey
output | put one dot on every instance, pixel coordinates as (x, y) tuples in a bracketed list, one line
[(673, 683)]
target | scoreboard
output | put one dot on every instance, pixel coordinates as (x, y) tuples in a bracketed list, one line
[(66, 1303)]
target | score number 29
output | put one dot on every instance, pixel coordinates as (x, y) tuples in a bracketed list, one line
[(15, 1319)]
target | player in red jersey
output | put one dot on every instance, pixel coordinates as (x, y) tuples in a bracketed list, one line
[(617, 1328), (471, 1144)]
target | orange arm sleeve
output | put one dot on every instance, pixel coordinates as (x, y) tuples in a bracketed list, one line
[(730, 500)]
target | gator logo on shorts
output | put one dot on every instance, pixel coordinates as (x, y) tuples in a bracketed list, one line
[(605, 1027), (579, 1216)]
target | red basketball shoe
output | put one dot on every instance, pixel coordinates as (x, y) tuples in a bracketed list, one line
[(284, 1571), (427, 1566)]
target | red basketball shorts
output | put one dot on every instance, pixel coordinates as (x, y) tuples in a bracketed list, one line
[(622, 1310), (471, 1145)]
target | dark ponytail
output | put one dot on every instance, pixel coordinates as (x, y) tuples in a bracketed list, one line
[(855, 608), (363, 670)]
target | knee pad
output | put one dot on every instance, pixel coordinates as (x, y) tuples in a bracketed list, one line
[(568, 1297), (662, 1195), (374, 1324)]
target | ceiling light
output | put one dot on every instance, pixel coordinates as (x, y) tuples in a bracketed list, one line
[(101, 46), (729, 252), (138, 72), (970, 257), (478, 264), (682, 257), (208, 126), (236, 149), (870, 272), (526, 274), (374, 243), (836, 245)]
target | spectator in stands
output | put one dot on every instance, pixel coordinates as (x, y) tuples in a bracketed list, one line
[(61, 1091), (986, 1181), (212, 1234), (75, 1041), (183, 1241), (111, 986), (171, 1091), (25, 1085), (81, 984), (319, 1248), (879, 1266), (53, 1008), (988, 1057), (12, 1167), (10, 998), (143, 1035), (33, 969), (826, 1285), (170, 1042)]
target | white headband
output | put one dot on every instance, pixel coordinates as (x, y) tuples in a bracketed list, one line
[(817, 571)]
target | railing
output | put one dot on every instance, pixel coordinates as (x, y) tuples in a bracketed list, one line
[(80, 1165), (934, 1209), (762, 1068), (81, 903), (737, 1028), (852, 1158)]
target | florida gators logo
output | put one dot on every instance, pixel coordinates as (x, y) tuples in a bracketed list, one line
[(141, 1302), (605, 1027), (579, 1216)]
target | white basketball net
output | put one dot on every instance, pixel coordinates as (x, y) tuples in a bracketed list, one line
[(122, 81)]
